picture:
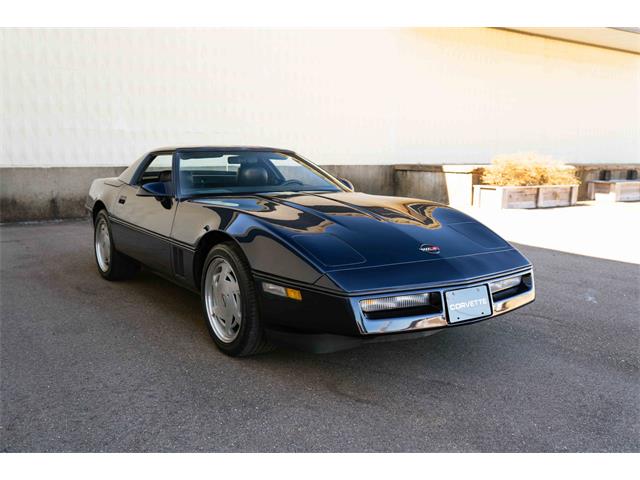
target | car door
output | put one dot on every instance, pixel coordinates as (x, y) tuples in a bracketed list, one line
[(141, 225)]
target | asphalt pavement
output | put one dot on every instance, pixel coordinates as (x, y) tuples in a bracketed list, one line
[(91, 365)]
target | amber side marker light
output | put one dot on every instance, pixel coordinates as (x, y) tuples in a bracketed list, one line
[(281, 291)]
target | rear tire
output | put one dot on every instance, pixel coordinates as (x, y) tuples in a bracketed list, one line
[(229, 303), (112, 264)]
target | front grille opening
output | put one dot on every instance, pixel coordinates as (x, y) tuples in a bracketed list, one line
[(524, 286), (434, 306)]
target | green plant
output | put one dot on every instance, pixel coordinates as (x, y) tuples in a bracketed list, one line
[(522, 169)]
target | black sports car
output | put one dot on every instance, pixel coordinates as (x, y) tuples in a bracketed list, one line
[(282, 252)]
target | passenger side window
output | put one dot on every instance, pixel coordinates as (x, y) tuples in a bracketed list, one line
[(159, 170)]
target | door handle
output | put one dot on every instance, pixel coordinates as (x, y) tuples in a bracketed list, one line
[(122, 199)]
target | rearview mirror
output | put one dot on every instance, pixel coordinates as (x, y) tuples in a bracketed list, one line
[(347, 184)]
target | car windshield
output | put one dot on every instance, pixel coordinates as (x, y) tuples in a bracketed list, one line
[(220, 172)]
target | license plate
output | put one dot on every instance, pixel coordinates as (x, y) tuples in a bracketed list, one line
[(468, 303)]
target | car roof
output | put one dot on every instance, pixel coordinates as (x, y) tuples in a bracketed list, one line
[(228, 148)]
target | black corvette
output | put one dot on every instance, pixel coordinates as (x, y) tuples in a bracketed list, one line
[(282, 252)]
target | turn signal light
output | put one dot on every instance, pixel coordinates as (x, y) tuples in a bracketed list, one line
[(281, 291), (294, 294)]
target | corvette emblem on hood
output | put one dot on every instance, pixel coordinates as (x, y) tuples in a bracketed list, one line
[(429, 248)]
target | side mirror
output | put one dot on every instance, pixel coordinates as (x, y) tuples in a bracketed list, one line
[(154, 189), (347, 184), (161, 191)]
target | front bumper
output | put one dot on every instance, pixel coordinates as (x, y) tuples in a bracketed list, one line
[(325, 323), (501, 302)]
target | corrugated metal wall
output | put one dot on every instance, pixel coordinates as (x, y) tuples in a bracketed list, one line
[(103, 97)]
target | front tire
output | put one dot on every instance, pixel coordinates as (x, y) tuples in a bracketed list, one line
[(229, 303), (112, 264)]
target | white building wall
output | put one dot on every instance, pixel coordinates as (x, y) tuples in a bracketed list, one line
[(103, 97)]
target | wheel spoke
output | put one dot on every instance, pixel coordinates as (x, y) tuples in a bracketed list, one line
[(223, 300), (102, 245)]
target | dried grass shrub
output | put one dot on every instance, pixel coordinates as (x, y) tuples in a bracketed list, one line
[(523, 169)]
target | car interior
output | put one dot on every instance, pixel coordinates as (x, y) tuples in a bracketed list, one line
[(204, 171), (245, 175), (248, 174), (151, 176), (239, 171)]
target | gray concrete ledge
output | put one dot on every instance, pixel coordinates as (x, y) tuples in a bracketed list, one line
[(374, 179), (28, 194), (47, 193), (449, 168)]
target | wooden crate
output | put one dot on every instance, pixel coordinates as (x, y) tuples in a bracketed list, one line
[(614, 190), (543, 196), (557, 195)]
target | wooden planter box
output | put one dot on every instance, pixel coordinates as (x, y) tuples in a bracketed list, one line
[(542, 196), (614, 190)]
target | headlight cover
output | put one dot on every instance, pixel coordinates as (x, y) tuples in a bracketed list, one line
[(505, 284), (393, 303)]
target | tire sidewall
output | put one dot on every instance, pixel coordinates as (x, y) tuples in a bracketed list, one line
[(249, 326)]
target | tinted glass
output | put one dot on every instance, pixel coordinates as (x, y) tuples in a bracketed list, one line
[(219, 172), (158, 170)]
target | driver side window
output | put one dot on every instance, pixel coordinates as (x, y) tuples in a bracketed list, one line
[(158, 170)]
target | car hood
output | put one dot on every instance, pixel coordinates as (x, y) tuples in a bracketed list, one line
[(348, 230)]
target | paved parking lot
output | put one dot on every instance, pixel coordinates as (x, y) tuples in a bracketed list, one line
[(88, 365)]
